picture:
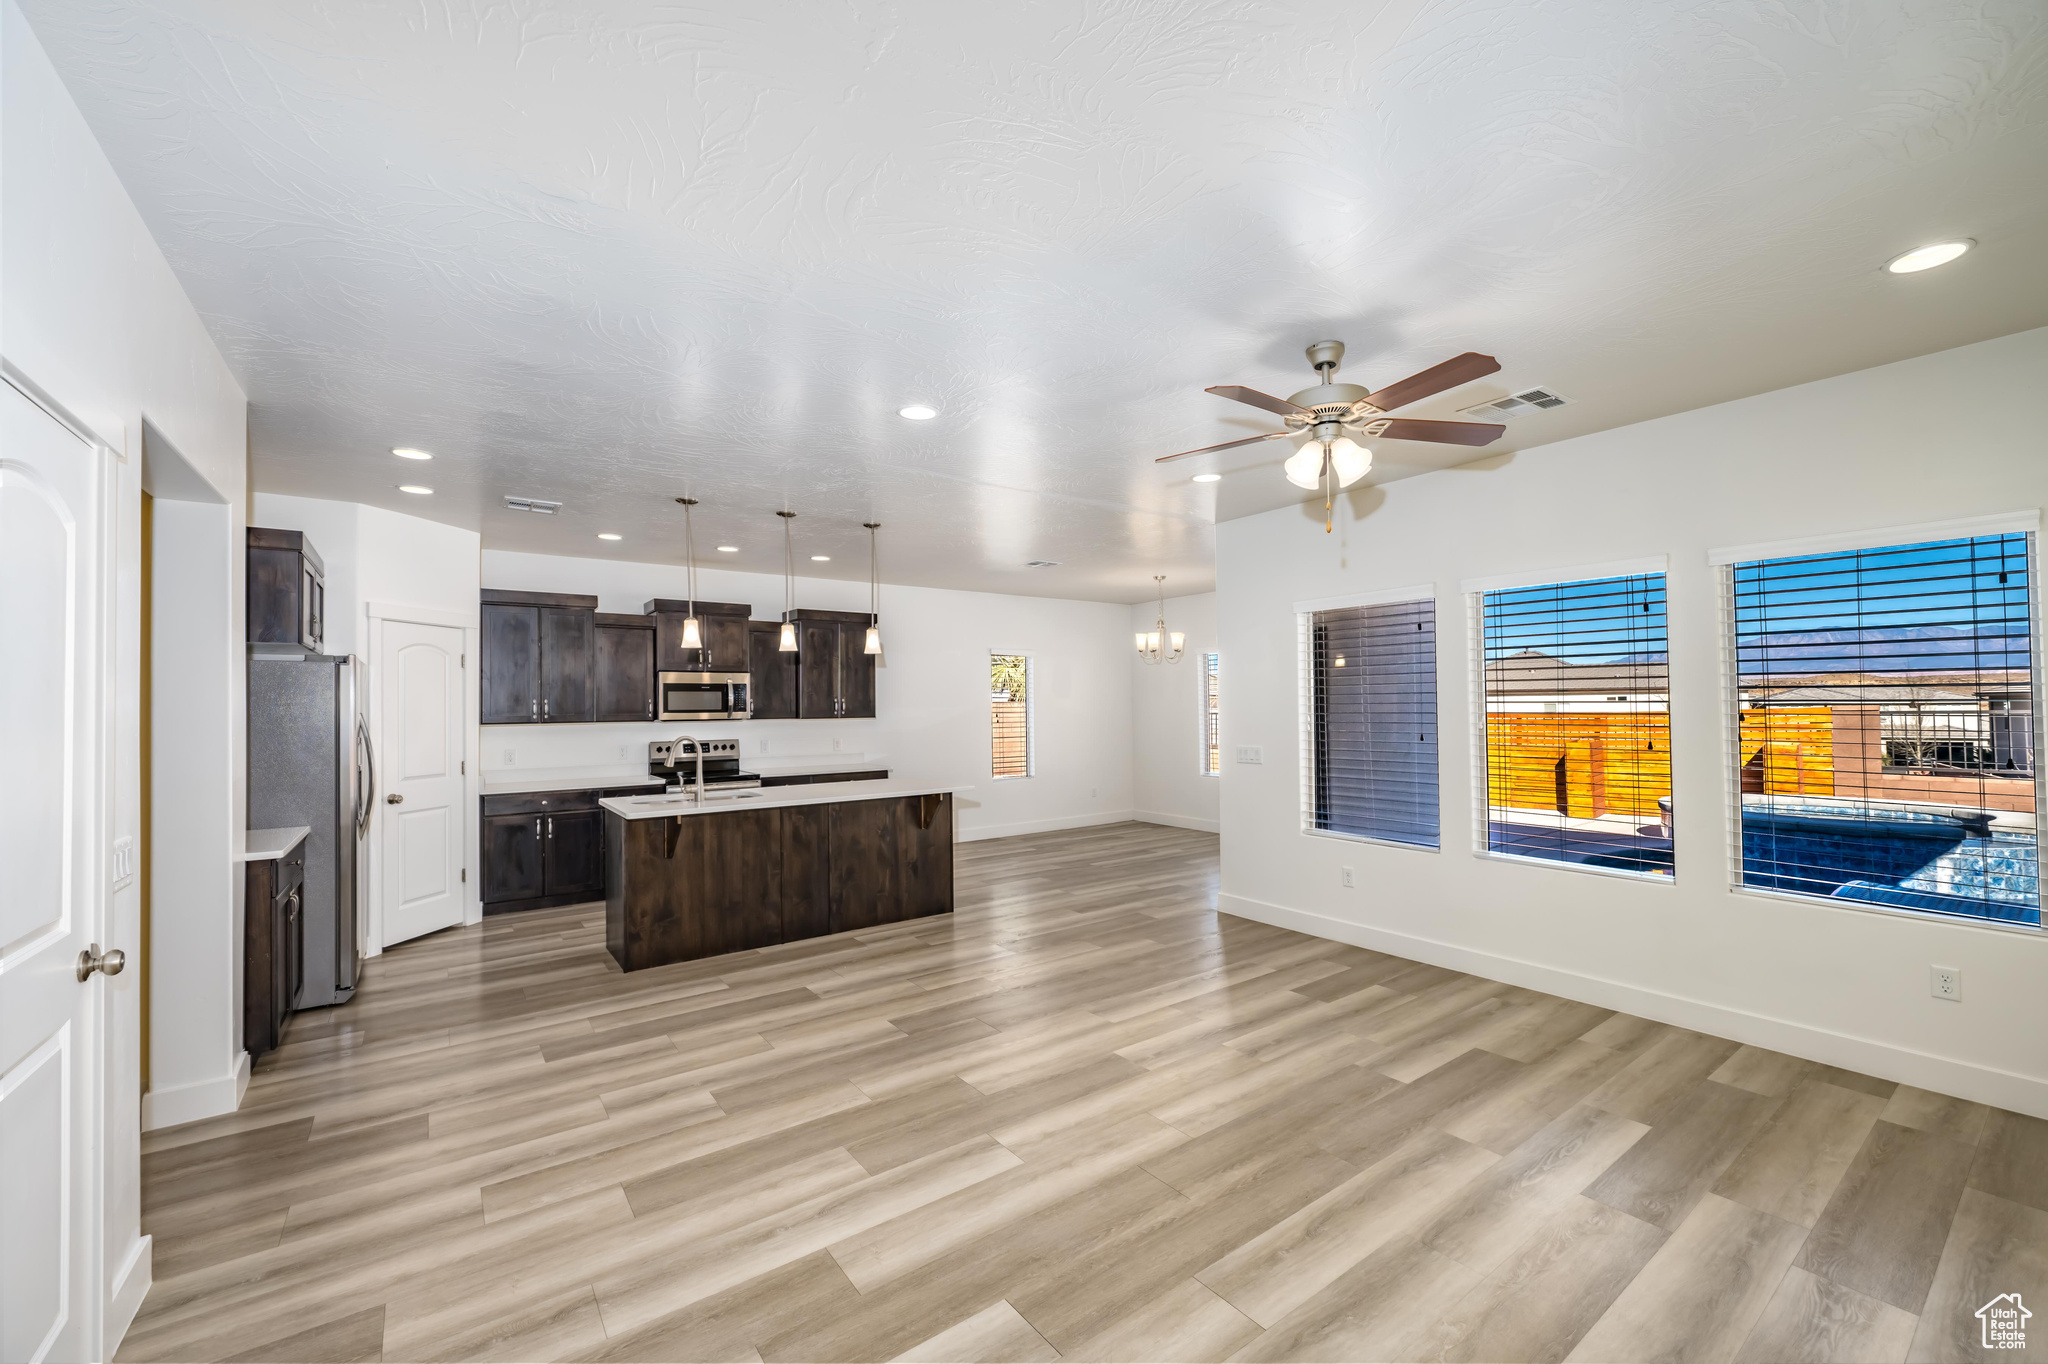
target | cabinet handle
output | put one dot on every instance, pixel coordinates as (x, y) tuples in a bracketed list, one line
[(536, 826), (551, 826), (536, 710), (544, 709), (650, 710)]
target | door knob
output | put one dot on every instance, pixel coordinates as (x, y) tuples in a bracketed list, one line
[(92, 959), (394, 799)]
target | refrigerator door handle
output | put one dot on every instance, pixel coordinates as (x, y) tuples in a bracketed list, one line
[(369, 792)]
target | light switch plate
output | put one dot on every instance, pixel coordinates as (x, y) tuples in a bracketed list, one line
[(1250, 753)]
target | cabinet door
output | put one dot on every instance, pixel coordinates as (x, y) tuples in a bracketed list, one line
[(817, 666), (292, 954), (771, 674), (725, 644), (512, 861), (856, 672), (575, 852), (511, 671), (276, 604), (625, 673), (316, 608), (568, 647), (865, 855), (669, 654)]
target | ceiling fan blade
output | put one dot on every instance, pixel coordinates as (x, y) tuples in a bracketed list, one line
[(1258, 399), (1227, 445), (1461, 369), (1443, 433)]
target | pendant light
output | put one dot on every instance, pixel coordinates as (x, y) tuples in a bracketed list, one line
[(693, 633), (786, 643), (1158, 645), (874, 639)]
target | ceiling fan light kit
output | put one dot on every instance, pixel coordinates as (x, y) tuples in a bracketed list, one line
[(1159, 645), (1332, 414)]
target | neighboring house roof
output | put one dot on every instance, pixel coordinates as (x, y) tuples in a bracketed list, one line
[(1534, 673), (1875, 695)]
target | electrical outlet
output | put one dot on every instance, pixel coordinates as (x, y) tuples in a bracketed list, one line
[(511, 758), (835, 745), (764, 748), (1250, 753), (1945, 982), (622, 751), (1348, 882), (1094, 793)]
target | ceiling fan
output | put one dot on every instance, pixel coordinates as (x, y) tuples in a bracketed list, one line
[(1332, 414)]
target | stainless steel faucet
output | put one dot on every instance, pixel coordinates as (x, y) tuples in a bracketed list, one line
[(697, 792)]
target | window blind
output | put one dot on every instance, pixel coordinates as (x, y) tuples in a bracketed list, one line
[(1576, 753), (1212, 753), (1010, 739), (1884, 726), (1373, 708)]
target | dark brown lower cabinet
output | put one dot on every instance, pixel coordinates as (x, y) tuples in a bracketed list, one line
[(273, 947), (694, 886), (544, 848)]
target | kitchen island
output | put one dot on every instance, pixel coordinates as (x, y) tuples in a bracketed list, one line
[(748, 869)]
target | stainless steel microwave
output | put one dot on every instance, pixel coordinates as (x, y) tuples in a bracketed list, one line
[(704, 696)]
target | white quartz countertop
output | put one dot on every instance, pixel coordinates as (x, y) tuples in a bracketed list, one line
[(265, 845), (517, 782), (770, 798)]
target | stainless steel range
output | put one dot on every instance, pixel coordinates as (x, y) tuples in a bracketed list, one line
[(721, 765)]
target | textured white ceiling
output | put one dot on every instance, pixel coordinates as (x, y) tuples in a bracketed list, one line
[(611, 252)]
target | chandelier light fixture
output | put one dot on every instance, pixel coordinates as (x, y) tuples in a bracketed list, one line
[(1158, 645), (786, 643), (874, 639), (693, 633)]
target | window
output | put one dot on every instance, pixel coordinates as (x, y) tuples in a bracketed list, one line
[(1009, 696), (1212, 754), (1372, 674), (1577, 744), (1884, 726)]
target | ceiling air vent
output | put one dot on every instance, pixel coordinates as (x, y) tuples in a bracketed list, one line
[(1041, 563), (1516, 405), (539, 506)]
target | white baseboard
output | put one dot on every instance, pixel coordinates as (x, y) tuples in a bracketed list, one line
[(125, 1294), (1207, 826), (201, 1099), (1042, 826), (1923, 1070)]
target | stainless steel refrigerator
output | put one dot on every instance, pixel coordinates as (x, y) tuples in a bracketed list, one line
[(310, 763)]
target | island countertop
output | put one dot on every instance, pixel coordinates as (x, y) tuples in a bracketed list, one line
[(772, 798)]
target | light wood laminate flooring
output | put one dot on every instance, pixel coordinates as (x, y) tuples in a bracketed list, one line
[(1084, 1117)]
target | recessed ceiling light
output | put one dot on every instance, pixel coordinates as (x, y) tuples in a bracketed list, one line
[(1927, 257), (407, 452), (821, 558), (728, 549), (917, 412), (1208, 478), (607, 535), (415, 489)]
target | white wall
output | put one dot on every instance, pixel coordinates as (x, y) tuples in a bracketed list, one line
[(1166, 718), (91, 314), (398, 567), (932, 720), (1949, 435)]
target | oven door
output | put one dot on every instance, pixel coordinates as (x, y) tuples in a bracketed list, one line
[(702, 696)]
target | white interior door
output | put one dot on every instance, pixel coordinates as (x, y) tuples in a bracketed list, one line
[(49, 885), (420, 768)]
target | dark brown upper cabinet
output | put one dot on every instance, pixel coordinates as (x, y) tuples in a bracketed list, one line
[(625, 667), (835, 676), (721, 624), (771, 674), (287, 597), (539, 658)]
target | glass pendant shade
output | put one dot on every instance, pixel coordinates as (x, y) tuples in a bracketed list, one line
[(1349, 461), (786, 642), (1179, 642), (693, 638), (1304, 468), (874, 641)]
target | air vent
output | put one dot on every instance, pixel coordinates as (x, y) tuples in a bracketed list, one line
[(538, 506), (1042, 563), (1516, 405)]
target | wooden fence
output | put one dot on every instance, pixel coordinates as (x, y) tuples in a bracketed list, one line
[(1595, 763)]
